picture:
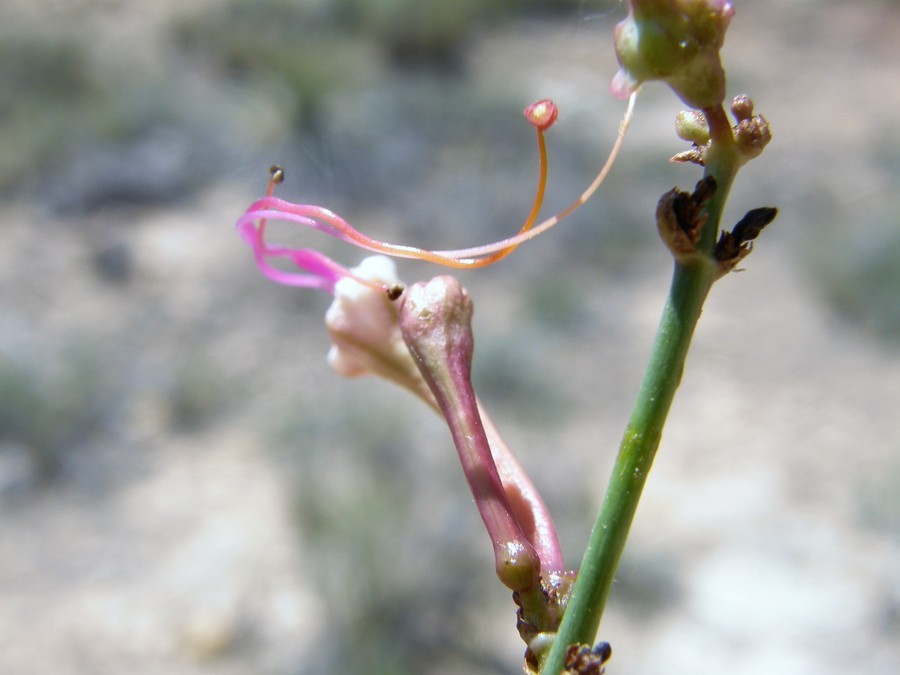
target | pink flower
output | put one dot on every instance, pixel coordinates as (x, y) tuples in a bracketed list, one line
[(317, 270), (371, 333)]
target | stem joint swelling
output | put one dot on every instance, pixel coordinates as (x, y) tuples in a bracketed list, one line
[(681, 219)]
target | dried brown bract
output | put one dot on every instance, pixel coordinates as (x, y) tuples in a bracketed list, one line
[(696, 155), (736, 245), (680, 218), (583, 660)]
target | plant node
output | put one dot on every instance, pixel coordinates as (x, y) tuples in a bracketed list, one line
[(540, 611)]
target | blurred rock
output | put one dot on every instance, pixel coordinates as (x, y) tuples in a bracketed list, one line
[(209, 634), (114, 263), (18, 471), (157, 167)]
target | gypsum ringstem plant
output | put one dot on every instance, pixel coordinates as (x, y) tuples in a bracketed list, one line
[(676, 41)]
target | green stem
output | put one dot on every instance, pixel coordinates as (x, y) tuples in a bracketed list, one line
[(691, 283)]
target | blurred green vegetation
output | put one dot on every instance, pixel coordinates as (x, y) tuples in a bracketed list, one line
[(53, 104), (511, 375), (49, 412), (877, 499), (558, 304), (853, 253), (314, 49), (54, 101), (197, 393), (648, 584), (414, 32), (294, 46), (862, 282), (45, 85)]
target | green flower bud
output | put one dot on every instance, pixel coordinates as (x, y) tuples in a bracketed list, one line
[(690, 125), (678, 42)]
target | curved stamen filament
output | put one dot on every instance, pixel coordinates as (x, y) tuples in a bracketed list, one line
[(535, 207), (328, 222), (324, 272), (524, 236)]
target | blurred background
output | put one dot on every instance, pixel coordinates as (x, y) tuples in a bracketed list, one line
[(186, 487)]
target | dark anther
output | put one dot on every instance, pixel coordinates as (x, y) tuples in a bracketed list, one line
[(395, 291), (704, 190), (604, 651), (680, 217), (277, 174)]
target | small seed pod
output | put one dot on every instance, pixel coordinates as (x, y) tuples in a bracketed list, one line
[(742, 107)]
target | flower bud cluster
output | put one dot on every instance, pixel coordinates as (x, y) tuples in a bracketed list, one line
[(751, 132)]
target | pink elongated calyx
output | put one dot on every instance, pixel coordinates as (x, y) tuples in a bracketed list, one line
[(435, 319)]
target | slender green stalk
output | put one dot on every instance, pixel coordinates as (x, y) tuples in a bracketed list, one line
[(691, 283), (690, 286)]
